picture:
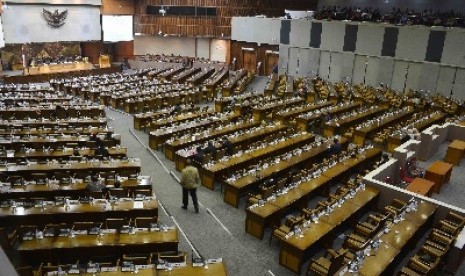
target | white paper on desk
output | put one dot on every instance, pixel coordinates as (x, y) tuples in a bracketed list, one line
[(138, 205), (109, 268)]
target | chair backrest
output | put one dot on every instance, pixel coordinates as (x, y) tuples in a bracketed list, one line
[(145, 222), (86, 225), (179, 257), (145, 192), (137, 259), (336, 264), (118, 192), (115, 223)]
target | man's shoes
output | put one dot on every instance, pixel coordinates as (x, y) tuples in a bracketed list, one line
[(197, 211), (184, 207)]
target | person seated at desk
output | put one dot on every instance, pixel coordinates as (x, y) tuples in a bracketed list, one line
[(228, 146), (96, 185), (101, 150), (176, 109), (198, 156), (210, 149), (335, 147)]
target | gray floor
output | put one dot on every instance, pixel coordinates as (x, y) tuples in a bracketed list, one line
[(218, 230)]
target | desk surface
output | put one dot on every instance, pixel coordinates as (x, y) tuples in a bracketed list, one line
[(326, 223), (420, 186), (218, 269), (457, 144), (440, 167), (111, 239)]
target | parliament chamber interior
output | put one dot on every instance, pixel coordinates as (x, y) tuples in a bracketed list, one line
[(328, 137)]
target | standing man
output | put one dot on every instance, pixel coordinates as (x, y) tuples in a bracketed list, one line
[(190, 180)]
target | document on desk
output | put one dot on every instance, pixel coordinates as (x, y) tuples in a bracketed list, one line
[(138, 205)]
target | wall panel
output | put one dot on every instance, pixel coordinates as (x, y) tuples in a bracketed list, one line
[(347, 65), (369, 40), (359, 69), (304, 69), (332, 37), (429, 76), (386, 70), (81, 24), (459, 85), (300, 33), (313, 61), (399, 75), (414, 76), (445, 79), (335, 69), (325, 61), (283, 58), (372, 71), (412, 43), (293, 57), (454, 50)]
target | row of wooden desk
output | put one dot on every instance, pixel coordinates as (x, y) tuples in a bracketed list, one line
[(239, 142), (293, 250), (233, 190), (209, 174), (73, 188), (60, 249), (260, 217), (97, 210), (171, 147)]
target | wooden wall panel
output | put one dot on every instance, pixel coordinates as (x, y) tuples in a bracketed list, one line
[(117, 7), (123, 49), (260, 50), (216, 26), (92, 50)]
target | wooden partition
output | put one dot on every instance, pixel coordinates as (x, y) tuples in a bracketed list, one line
[(249, 59), (213, 26)]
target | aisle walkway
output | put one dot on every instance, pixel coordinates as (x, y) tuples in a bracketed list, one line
[(219, 229)]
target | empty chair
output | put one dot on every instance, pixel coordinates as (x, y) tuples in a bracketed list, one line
[(324, 266), (452, 223), (85, 226), (145, 222), (395, 207), (115, 223), (171, 256), (38, 177), (54, 229), (24, 271), (118, 192), (143, 192), (137, 259), (26, 230)]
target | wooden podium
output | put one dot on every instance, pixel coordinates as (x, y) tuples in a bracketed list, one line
[(104, 61)]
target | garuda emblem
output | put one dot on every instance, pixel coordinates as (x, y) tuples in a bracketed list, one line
[(55, 19)]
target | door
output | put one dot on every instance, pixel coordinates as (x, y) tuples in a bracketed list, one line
[(249, 60), (271, 58)]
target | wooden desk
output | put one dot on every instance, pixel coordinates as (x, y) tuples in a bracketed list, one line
[(421, 186), (293, 249), (259, 218), (65, 248), (234, 190), (94, 166), (97, 211), (172, 146), (238, 142), (400, 237), (439, 172), (455, 152), (74, 190), (217, 269), (58, 68), (210, 174)]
